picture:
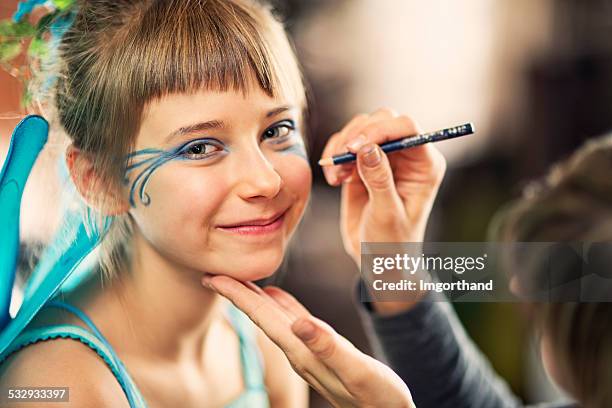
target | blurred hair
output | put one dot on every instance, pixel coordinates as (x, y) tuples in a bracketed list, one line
[(119, 55), (573, 203)]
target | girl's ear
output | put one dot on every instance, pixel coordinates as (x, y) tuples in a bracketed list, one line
[(97, 193)]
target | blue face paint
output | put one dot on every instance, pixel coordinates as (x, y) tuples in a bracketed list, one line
[(282, 136), (291, 143), (297, 149), (150, 160)]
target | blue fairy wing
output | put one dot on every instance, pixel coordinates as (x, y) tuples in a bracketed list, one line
[(28, 139)]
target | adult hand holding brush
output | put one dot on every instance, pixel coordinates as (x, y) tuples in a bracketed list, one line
[(385, 198)]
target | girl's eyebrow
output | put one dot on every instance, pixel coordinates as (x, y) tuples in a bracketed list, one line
[(215, 124), (196, 127), (278, 110)]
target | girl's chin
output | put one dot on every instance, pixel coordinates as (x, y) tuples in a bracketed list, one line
[(251, 271), (243, 266), (251, 275)]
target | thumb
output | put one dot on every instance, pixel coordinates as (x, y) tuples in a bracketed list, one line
[(375, 172), (322, 340), (352, 367)]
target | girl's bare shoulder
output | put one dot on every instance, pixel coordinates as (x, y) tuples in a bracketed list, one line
[(63, 362)]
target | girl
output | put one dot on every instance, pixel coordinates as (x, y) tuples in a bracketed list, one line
[(184, 119)]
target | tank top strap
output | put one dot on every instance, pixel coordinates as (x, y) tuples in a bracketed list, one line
[(252, 362), (81, 315), (31, 336), (134, 396)]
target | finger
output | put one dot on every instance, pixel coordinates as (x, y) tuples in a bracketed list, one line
[(338, 137), (356, 138), (362, 376), (256, 289), (287, 301), (335, 174), (376, 174), (382, 131), (351, 138), (342, 172), (265, 295), (267, 314), (333, 350), (264, 312), (353, 132), (365, 125), (332, 147), (338, 144)]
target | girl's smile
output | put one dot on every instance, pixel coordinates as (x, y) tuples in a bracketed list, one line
[(259, 226)]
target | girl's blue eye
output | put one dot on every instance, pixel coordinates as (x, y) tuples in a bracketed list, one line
[(280, 131), (200, 149)]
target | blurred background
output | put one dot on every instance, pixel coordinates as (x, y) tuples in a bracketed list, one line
[(534, 76)]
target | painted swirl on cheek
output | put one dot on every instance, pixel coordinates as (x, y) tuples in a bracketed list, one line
[(151, 160)]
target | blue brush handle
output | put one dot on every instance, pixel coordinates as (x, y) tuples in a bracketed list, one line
[(27, 141), (412, 141)]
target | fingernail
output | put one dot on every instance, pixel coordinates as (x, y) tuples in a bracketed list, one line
[(341, 174), (305, 330), (356, 143), (371, 155)]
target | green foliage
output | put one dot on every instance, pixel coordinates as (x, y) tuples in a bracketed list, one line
[(11, 38), (38, 48), (45, 22), (62, 4), (14, 37), (9, 50), (11, 30), (6, 28)]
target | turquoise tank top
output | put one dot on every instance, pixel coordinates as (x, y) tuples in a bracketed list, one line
[(254, 396)]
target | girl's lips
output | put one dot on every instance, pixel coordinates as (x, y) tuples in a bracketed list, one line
[(257, 229)]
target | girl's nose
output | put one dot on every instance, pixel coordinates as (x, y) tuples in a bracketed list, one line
[(257, 176)]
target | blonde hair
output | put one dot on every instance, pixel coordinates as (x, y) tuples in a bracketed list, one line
[(572, 203), (119, 55)]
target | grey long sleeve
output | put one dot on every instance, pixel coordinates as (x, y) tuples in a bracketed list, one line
[(429, 349)]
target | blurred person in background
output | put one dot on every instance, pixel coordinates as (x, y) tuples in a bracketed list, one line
[(572, 204)]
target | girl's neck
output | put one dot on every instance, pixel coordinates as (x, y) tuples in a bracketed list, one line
[(156, 310)]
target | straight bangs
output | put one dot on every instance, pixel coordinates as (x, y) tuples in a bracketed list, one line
[(185, 46)]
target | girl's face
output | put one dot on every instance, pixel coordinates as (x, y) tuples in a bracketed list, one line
[(219, 181)]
